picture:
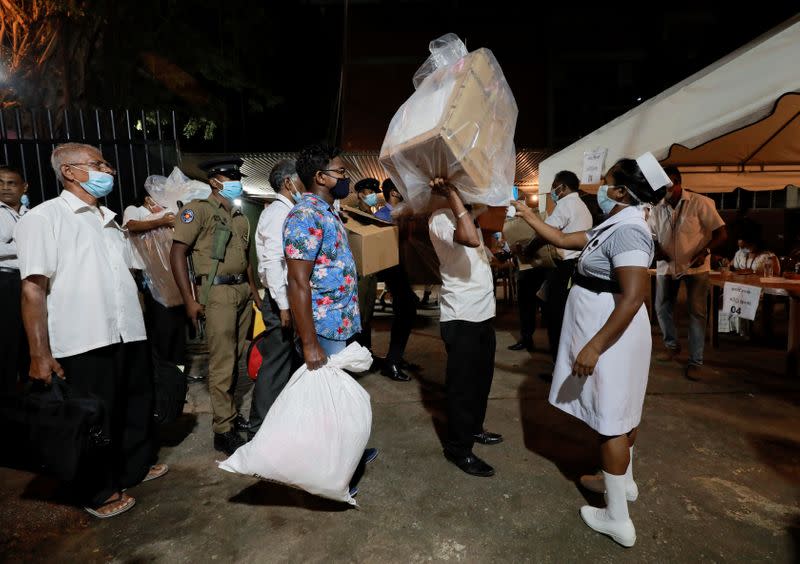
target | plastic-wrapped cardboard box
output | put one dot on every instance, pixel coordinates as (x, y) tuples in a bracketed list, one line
[(459, 124), (374, 243)]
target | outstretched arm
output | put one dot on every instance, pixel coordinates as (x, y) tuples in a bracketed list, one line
[(573, 241)]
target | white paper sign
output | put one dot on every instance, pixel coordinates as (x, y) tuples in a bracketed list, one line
[(740, 300), (593, 162)]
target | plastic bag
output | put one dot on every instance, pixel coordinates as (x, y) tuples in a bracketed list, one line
[(167, 191), (458, 124), (315, 433), (152, 249)]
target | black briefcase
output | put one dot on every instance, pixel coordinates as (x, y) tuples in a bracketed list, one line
[(61, 428)]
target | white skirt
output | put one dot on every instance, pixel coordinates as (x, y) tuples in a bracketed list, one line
[(610, 400)]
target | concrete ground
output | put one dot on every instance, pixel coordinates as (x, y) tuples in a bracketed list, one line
[(718, 467)]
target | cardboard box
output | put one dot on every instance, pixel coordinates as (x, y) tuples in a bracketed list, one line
[(493, 219), (416, 250), (374, 243), (458, 130)]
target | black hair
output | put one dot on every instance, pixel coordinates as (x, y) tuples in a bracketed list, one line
[(568, 179), (312, 159), (627, 173), (387, 187), (673, 172), (12, 169), (280, 172)]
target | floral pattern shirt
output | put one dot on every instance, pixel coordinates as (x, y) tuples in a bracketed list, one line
[(314, 232)]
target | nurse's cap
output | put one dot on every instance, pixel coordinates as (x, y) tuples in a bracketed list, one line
[(652, 171), (226, 166)]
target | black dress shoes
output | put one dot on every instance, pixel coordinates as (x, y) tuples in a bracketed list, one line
[(228, 442), (487, 438), (520, 345), (240, 423), (471, 464), (394, 372)]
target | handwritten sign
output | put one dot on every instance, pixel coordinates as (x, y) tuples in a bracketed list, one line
[(593, 162), (740, 300)]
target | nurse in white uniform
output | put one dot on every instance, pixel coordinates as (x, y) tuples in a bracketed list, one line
[(603, 359)]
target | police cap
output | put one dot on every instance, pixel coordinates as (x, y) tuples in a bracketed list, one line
[(226, 166)]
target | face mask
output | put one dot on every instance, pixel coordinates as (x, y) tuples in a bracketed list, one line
[(231, 189), (745, 251), (342, 188), (515, 193), (606, 204), (25, 201), (99, 183), (297, 197), (554, 195), (371, 200)]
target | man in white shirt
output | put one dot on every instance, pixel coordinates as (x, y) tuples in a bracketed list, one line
[(84, 323), (13, 347), (569, 216), (687, 229), (277, 349), (467, 308)]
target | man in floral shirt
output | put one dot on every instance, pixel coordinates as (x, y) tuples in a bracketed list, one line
[(322, 281)]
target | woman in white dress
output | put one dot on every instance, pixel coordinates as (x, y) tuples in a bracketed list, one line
[(603, 359)]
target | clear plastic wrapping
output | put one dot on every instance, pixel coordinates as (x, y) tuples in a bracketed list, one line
[(167, 191), (458, 124), (153, 249)]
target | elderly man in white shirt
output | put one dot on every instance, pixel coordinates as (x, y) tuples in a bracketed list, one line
[(467, 308), (687, 229), (13, 348), (84, 322), (277, 349), (569, 216)]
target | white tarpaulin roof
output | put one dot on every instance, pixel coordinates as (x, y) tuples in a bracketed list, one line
[(736, 91)]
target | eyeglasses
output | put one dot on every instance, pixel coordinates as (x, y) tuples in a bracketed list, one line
[(99, 165), (342, 171)]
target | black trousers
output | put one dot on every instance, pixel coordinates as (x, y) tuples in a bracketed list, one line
[(14, 359), (120, 375), (557, 294), (528, 283), (470, 350), (404, 308), (280, 360), (166, 330)]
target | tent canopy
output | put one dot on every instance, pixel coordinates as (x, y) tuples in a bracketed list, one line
[(701, 124)]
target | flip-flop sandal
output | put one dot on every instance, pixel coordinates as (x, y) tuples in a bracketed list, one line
[(119, 497), (150, 476)]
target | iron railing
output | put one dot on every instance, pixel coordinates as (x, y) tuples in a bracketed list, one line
[(137, 144)]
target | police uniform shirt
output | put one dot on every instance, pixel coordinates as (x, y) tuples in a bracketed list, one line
[(92, 300), (195, 227)]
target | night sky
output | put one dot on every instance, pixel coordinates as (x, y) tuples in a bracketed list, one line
[(571, 68)]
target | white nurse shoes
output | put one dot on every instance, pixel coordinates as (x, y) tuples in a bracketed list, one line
[(614, 520)]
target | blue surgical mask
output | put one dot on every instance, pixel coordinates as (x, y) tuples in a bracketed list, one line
[(606, 204), (297, 196), (25, 201), (99, 184), (371, 200), (342, 188), (554, 195), (231, 189), (515, 193)]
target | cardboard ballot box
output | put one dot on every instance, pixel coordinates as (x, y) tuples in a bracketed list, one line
[(374, 243), (458, 125)]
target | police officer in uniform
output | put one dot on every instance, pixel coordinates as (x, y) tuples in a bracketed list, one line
[(217, 235)]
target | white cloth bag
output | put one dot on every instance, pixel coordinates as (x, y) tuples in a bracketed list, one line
[(315, 433)]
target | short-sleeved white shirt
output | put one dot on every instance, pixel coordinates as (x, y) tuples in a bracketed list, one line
[(684, 231), (92, 299), (570, 216), (467, 292)]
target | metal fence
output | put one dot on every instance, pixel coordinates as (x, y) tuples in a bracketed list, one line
[(137, 144)]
